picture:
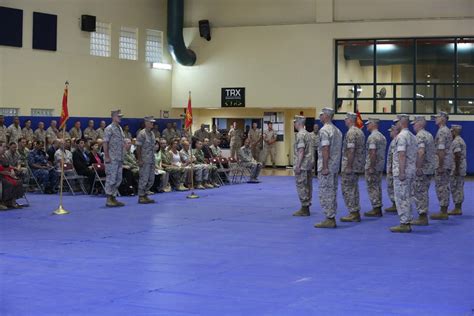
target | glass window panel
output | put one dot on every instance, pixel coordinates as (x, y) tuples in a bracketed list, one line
[(465, 50), (384, 91), (346, 106), (365, 106), (404, 106), (394, 60), (466, 91), (384, 106), (404, 91), (428, 91), (424, 106), (355, 61), (435, 60), (444, 105), (466, 107)]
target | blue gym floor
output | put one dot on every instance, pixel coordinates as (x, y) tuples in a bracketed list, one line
[(235, 251)]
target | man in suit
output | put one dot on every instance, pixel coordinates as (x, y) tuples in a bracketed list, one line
[(82, 163)]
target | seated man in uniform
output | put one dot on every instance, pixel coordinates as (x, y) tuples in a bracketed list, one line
[(130, 169), (171, 162), (206, 149), (161, 176), (16, 162), (42, 169), (201, 160), (201, 171), (247, 160)]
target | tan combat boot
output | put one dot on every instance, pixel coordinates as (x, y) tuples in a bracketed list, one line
[(327, 223), (199, 186), (182, 188), (167, 189), (376, 212), (402, 228), (303, 211), (207, 185), (111, 201), (145, 200), (457, 210), (391, 209), (421, 221), (442, 215), (117, 202), (352, 217)]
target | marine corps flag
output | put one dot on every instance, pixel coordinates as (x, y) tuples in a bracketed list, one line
[(64, 109), (189, 114), (359, 121)]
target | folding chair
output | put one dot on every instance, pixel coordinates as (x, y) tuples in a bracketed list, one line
[(71, 176), (234, 170), (98, 167), (33, 181), (221, 170)]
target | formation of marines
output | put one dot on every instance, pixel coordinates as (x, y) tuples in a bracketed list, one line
[(412, 162)]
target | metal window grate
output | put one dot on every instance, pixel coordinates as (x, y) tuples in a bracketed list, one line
[(154, 46), (100, 43), (9, 111), (42, 112), (128, 47)]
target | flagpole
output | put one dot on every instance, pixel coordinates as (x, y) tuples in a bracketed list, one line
[(60, 210), (192, 195)]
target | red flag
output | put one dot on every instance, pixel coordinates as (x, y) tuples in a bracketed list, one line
[(359, 121), (64, 110), (189, 114)]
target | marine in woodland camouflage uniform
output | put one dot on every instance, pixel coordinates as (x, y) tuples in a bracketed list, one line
[(269, 145), (201, 133), (90, 132), (390, 190), (255, 137), (40, 133), (27, 132), (443, 164), (114, 153), (201, 160), (424, 169), (235, 139), (403, 168), (352, 165), (76, 131), (459, 170), (374, 164), (101, 130), (14, 131), (200, 171), (315, 139), (303, 164), (3, 130), (247, 160), (146, 160), (52, 132)]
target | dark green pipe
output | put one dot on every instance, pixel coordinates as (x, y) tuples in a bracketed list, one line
[(181, 54)]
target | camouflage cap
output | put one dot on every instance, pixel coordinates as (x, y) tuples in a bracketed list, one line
[(328, 111), (403, 116), (418, 118), (441, 114), (299, 119), (392, 128), (351, 115), (456, 127), (150, 119), (116, 112), (372, 120)]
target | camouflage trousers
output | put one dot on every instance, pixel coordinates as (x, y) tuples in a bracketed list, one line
[(234, 150), (421, 188), (269, 150), (374, 187), (304, 187), (350, 191), (457, 188), (442, 188), (113, 177), (390, 189), (256, 153), (146, 178), (254, 169), (176, 176), (328, 193), (201, 173), (403, 199)]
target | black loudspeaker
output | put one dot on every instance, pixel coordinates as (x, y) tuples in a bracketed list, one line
[(205, 29), (88, 23)]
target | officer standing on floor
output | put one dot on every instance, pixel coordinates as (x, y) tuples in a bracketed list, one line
[(328, 167), (303, 166), (146, 160), (459, 171), (113, 152), (390, 190), (352, 165), (424, 169), (374, 165), (315, 138), (403, 168), (443, 164), (269, 145), (235, 140)]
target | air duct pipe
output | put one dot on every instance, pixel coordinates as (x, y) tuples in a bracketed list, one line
[(178, 50)]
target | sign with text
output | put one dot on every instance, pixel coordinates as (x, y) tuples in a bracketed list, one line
[(233, 98)]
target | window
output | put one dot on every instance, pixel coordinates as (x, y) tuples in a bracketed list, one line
[(9, 111), (409, 75), (154, 46), (101, 40), (42, 112), (128, 48)]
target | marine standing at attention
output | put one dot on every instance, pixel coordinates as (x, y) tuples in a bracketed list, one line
[(303, 165), (235, 140), (390, 190), (374, 165), (353, 159), (113, 152), (459, 170), (329, 163), (269, 145), (146, 160)]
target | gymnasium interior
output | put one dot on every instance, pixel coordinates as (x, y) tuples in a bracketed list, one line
[(236, 249)]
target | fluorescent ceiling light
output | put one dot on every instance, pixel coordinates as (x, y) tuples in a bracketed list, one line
[(386, 47), (450, 101), (161, 66), (470, 102)]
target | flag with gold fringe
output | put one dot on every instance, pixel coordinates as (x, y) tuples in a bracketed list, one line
[(64, 109)]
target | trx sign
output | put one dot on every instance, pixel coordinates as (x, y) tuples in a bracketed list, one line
[(233, 98)]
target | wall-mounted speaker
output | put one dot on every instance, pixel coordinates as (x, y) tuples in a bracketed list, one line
[(88, 23), (205, 29)]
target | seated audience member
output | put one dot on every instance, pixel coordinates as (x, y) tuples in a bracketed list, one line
[(75, 131), (206, 149), (27, 132), (171, 162), (52, 132), (51, 151), (161, 176), (156, 130), (90, 132), (64, 154), (40, 133), (95, 155), (168, 133), (126, 131), (42, 169), (15, 161), (82, 162), (215, 149), (130, 171), (12, 187), (201, 171), (133, 146), (24, 151), (101, 130), (214, 132), (201, 161), (201, 133), (14, 131), (247, 160)]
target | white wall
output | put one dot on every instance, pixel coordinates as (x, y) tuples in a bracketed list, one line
[(283, 66), (32, 78)]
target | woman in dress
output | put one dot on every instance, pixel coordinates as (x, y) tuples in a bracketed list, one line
[(12, 187)]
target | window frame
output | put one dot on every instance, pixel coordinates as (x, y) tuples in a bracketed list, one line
[(108, 33), (154, 33), (128, 30), (414, 83)]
